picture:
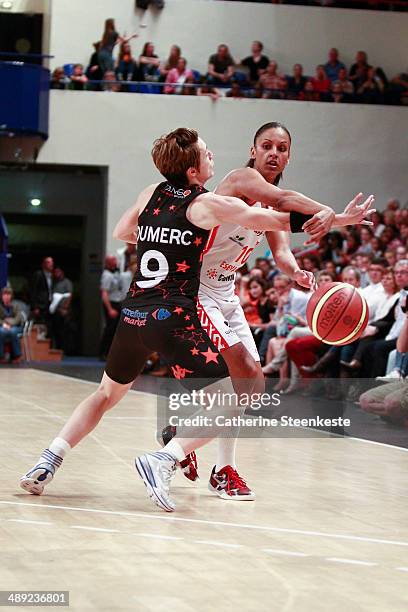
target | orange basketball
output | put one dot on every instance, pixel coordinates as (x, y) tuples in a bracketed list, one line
[(337, 313)]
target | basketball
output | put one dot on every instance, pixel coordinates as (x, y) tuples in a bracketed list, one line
[(337, 314)]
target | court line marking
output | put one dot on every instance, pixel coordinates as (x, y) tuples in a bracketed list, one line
[(351, 561), (181, 519), (88, 382), (29, 522), (85, 528), (217, 543), (290, 553)]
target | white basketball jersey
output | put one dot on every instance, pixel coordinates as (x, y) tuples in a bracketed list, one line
[(228, 248)]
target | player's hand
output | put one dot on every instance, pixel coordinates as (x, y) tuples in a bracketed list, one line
[(113, 313), (305, 279), (319, 225), (356, 213)]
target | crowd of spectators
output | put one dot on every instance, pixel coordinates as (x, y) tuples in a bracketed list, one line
[(255, 76), (377, 5)]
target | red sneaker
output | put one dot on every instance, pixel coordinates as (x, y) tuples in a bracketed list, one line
[(189, 465), (228, 484)]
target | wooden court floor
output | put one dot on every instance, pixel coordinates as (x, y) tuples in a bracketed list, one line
[(328, 531)]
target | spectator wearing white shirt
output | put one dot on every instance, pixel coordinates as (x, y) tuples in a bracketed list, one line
[(111, 294), (374, 292)]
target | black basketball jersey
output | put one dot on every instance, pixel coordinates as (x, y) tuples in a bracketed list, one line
[(169, 249)]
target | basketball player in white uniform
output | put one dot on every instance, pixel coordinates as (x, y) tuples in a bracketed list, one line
[(229, 247)]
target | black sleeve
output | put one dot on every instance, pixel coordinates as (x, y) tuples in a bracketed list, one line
[(297, 219)]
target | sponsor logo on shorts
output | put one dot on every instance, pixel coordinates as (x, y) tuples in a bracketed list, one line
[(161, 314), (134, 317)]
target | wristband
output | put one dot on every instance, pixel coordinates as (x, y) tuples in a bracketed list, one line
[(297, 219)]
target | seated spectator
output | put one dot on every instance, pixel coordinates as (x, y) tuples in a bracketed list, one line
[(207, 90), (347, 86), (59, 80), (377, 221), (358, 71), (235, 91), (220, 67), (401, 253), (296, 83), (257, 92), (189, 88), (371, 89), (334, 250), (333, 66), (149, 63), (109, 82), (366, 234), (256, 62), (376, 247), (126, 69), (257, 307), (390, 257), (309, 94), (78, 78), (337, 94), (399, 89), (177, 76), (321, 84), (94, 71), (171, 62), (273, 82), (390, 401), (11, 325)]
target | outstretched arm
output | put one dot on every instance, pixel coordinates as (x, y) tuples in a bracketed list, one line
[(285, 260)]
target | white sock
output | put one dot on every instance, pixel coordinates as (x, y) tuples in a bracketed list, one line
[(174, 448), (55, 453), (226, 453)]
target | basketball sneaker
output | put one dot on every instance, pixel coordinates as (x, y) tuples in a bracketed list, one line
[(36, 479), (189, 465), (156, 470), (228, 484)]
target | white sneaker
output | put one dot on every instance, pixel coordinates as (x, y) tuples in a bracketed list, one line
[(36, 479), (393, 375), (269, 368), (156, 470)]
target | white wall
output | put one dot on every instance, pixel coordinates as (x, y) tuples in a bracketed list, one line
[(337, 150), (290, 33)]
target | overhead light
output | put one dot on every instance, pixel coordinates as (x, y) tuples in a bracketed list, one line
[(6, 4), (35, 202)]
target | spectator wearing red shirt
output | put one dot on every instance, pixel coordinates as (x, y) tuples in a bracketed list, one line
[(321, 84)]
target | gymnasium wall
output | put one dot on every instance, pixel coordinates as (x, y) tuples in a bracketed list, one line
[(290, 33), (337, 150)]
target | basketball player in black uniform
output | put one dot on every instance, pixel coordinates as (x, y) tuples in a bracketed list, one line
[(170, 223)]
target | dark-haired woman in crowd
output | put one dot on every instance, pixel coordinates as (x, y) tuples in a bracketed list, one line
[(170, 63), (110, 38), (257, 307), (149, 63), (126, 69)]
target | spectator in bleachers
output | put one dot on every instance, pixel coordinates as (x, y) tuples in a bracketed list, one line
[(321, 83), (366, 234), (359, 70), (206, 89), (188, 89), (220, 67), (127, 68), (273, 82), (257, 307), (124, 255), (374, 291), (110, 37), (177, 77), (11, 325), (376, 247), (371, 89), (149, 63), (235, 91), (171, 62), (401, 253), (110, 83), (337, 96), (390, 402), (111, 295), (378, 224), (296, 82), (59, 80), (256, 62), (78, 78), (309, 94), (333, 66), (94, 71), (257, 92), (347, 86)]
